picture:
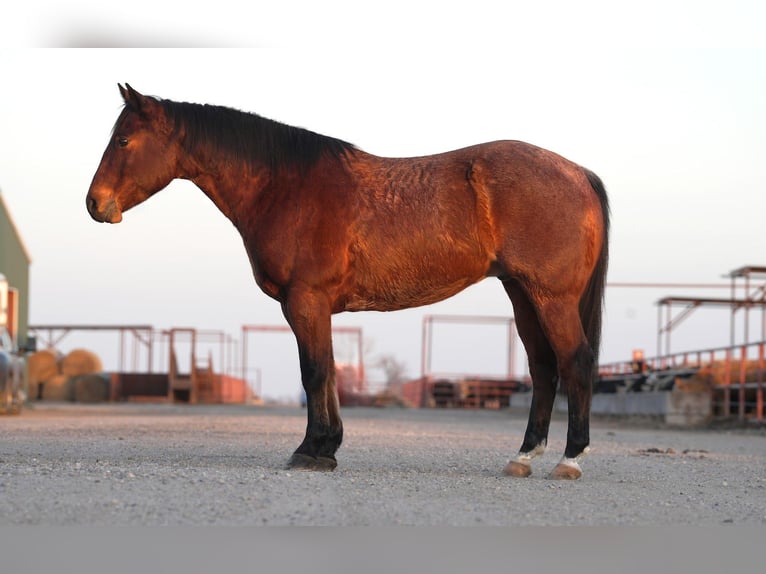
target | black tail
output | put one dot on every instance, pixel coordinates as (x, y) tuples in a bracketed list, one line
[(592, 302)]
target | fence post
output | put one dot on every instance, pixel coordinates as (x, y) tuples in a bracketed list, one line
[(742, 377), (759, 390)]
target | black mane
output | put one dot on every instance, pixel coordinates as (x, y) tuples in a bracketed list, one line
[(251, 138)]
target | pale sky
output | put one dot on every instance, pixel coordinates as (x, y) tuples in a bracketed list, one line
[(664, 100)]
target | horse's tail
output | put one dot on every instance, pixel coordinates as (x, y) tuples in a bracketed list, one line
[(592, 301)]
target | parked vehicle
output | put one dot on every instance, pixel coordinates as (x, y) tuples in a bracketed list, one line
[(12, 363), (12, 394)]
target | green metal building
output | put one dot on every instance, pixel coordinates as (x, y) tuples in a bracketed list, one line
[(14, 264)]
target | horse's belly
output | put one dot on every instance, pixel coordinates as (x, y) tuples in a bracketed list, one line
[(414, 266), (396, 293)]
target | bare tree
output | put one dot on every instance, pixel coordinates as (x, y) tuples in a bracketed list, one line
[(394, 370)]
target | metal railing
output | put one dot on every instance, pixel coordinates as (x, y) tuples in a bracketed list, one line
[(736, 375)]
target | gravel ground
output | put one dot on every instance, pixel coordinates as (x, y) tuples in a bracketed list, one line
[(151, 465)]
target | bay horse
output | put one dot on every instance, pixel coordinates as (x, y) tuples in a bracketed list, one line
[(329, 228)]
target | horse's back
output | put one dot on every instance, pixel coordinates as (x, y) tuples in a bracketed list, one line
[(513, 189), (507, 170)]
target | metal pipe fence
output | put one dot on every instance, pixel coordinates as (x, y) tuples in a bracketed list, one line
[(735, 375)]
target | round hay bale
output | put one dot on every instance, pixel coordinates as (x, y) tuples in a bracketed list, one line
[(80, 362), (41, 366), (58, 388), (90, 388)]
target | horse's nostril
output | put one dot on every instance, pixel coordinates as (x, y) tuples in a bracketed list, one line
[(92, 205)]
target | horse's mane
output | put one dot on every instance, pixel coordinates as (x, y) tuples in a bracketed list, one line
[(251, 138)]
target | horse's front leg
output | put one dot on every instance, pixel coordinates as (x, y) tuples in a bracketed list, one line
[(308, 314)]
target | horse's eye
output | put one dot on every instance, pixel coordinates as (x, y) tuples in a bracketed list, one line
[(122, 141)]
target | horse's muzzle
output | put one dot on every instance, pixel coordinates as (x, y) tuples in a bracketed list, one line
[(109, 212)]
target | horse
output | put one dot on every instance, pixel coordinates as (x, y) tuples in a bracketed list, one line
[(330, 228)]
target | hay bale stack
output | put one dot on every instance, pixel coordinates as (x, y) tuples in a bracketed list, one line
[(42, 366), (692, 384), (58, 388), (716, 373), (80, 362), (90, 388)]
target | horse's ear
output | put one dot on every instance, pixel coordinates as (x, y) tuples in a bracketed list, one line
[(132, 97), (138, 102)]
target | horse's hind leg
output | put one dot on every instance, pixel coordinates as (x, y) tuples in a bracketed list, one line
[(544, 373), (308, 314), (560, 320)]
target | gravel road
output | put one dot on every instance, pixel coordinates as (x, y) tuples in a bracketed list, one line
[(137, 464)]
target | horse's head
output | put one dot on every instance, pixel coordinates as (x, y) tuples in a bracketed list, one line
[(140, 159)]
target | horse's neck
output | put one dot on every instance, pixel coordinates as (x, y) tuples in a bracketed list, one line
[(230, 188)]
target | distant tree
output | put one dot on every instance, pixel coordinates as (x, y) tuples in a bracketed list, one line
[(394, 370)]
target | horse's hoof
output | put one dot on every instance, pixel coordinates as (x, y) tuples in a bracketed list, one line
[(326, 463), (521, 466), (566, 470), (517, 469), (569, 468), (301, 461)]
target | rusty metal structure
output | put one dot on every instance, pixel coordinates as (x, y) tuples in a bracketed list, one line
[(464, 390), (430, 321), (351, 378), (179, 372), (137, 338), (735, 375), (745, 294)]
